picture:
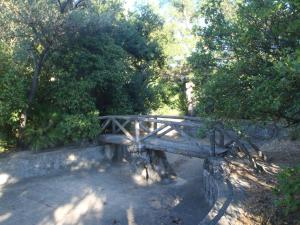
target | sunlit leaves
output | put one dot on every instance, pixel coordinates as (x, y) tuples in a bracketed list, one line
[(246, 64)]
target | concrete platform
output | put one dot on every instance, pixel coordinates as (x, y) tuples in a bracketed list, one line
[(106, 196)]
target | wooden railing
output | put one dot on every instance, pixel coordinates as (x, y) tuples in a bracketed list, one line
[(139, 128)]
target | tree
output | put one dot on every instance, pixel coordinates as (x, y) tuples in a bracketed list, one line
[(177, 43), (12, 96), (247, 58), (36, 27), (76, 59)]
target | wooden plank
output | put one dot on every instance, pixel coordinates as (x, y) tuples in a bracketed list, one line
[(179, 147), (155, 124), (165, 132), (105, 125), (186, 118), (137, 131), (113, 128), (153, 132), (118, 139), (175, 117), (221, 141), (144, 127), (123, 125), (156, 121), (176, 147), (128, 135), (213, 142), (189, 138)]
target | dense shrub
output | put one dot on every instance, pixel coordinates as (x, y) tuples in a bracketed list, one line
[(288, 192)]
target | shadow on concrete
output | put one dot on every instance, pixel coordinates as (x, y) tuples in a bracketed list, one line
[(104, 196)]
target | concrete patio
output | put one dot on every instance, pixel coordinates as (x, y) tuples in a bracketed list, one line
[(106, 196)]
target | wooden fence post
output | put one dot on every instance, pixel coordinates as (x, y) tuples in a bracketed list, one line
[(137, 134), (114, 128), (213, 142)]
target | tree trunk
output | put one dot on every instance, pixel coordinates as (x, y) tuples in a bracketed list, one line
[(38, 64)]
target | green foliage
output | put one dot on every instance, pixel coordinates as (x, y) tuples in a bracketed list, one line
[(50, 130), (288, 190), (86, 60), (246, 63), (171, 97), (294, 133), (202, 132), (78, 127), (12, 98)]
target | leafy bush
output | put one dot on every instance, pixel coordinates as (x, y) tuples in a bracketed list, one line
[(295, 133), (59, 130), (79, 127), (288, 191), (12, 98), (202, 132)]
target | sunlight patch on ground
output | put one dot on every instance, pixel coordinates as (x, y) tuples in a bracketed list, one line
[(78, 208), (5, 178), (140, 179), (130, 216), (4, 217), (72, 157)]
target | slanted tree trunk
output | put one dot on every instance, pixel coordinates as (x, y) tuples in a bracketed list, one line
[(38, 65), (41, 38)]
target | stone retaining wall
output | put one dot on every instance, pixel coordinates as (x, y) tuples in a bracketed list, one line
[(217, 189), (21, 165)]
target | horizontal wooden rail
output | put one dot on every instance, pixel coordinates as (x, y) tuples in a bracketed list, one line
[(150, 119), (159, 117)]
